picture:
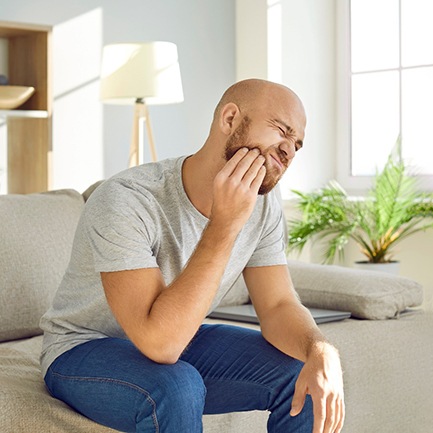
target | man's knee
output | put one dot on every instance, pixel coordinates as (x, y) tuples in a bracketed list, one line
[(180, 387), (186, 386), (178, 400)]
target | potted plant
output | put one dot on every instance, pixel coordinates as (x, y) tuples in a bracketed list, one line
[(393, 210)]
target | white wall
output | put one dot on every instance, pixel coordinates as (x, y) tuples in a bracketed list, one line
[(78, 148), (91, 140)]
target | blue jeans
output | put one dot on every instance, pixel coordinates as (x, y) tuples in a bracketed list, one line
[(224, 369)]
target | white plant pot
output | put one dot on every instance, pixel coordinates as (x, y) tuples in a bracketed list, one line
[(390, 267)]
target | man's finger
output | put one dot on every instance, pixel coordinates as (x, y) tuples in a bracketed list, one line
[(257, 182), (232, 163), (319, 412), (332, 414), (298, 400), (342, 416), (245, 164), (254, 171)]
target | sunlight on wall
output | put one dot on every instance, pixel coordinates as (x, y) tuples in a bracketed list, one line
[(275, 41), (259, 25), (77, 119), (251, 39)]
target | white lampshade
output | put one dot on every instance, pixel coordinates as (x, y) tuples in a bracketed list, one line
[(148, 71)]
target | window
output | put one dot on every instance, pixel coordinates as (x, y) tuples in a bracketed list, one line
[(389, 84)]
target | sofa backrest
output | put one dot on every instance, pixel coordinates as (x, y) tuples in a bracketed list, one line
[(36, 235)]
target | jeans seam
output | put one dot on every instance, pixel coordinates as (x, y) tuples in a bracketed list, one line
[(118, 382)]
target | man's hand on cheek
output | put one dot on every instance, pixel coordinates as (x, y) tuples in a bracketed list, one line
[(236, 187)]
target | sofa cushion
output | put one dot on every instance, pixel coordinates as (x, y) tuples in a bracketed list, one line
[(36, 235), (366, 294), (24, 400)]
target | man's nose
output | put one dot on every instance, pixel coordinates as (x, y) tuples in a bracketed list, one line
[(287, 148)]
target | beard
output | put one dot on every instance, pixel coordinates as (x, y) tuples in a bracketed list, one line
[(239, 139)]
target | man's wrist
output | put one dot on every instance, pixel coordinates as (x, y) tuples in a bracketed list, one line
[(320, 348), (223, 228)]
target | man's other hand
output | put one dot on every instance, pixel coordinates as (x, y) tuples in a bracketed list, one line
[(322, 378)]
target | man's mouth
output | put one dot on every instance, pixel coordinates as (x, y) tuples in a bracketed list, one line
[(278, 162)]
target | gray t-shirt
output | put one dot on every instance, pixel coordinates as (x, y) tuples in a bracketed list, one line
[(142, 218)]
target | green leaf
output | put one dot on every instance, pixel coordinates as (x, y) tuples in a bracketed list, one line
[(393, 210)]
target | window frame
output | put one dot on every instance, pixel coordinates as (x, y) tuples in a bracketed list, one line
[(359, 184)]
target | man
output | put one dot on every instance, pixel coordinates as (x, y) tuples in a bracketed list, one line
[(156, 249)]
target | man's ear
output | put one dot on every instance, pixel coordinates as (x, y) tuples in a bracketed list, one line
[(228, 116)]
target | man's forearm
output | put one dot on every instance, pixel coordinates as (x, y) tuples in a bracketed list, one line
[(291, 329), (288, 326), (181, 307)]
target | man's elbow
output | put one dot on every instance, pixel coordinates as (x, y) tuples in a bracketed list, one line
[(159, 345), (164, 358), (160, 353)]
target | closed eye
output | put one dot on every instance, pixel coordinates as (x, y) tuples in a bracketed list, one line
[(287, 131), (298, 143)]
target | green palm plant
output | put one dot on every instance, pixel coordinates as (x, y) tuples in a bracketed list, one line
[(393, 210)]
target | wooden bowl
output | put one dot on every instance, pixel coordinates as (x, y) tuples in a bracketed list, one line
[(13, 96)]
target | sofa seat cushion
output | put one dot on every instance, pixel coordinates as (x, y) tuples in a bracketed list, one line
[(388, 372), (36, 237), (26, 405)]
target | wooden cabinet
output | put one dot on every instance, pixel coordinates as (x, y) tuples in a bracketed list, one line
[(29, 127)]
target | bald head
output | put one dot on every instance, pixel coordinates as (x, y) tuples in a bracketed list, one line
[(248, 94)]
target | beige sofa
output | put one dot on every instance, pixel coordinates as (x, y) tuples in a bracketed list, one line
[(388, 363)]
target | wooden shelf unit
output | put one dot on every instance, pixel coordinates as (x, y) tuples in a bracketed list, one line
[(29, 138)]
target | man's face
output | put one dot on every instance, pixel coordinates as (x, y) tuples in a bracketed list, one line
[(277, 160)]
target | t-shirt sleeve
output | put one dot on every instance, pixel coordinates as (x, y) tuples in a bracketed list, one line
[(270, 250), (120, 228)]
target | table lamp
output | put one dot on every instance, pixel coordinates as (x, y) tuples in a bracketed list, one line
[(142, 74)]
